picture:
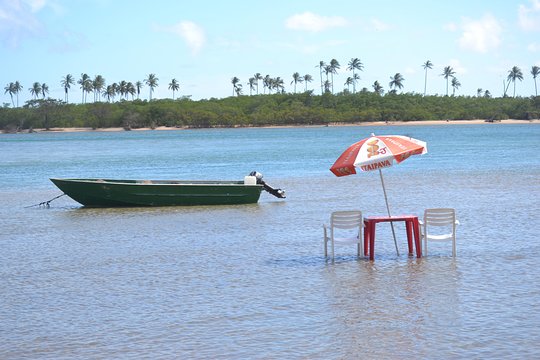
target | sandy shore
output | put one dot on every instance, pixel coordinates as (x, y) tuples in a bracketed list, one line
[(372, 123), (440, 122)]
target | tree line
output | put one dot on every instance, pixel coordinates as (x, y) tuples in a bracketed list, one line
[(355, 64), (275, 109), (124, 89), (123, 106), (96, 86)]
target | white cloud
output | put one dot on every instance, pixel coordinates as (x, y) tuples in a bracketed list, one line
[(450, 27), (410, 71), (309, 21), (379, 25), (480, 35), (36, 5), (17, 22), (458, 67), (191, 33), (529, 17)]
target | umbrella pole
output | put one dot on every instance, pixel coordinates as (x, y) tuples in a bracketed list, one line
[(388, 209)]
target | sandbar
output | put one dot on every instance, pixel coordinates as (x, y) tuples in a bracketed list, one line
[(368, 123)]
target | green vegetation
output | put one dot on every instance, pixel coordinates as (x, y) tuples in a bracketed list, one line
[(272, 106), (264, 110)]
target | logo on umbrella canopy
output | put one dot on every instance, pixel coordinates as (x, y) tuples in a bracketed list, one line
[(372, 148), (376, 165)]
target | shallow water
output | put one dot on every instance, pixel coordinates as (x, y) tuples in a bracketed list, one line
[(251, 281)]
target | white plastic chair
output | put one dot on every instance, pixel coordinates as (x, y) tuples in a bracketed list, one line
[(443, 218), (344, 220)]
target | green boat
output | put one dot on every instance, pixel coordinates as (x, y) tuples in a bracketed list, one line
[(125, 193)]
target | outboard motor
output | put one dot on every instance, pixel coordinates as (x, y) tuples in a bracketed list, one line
[(279, 193)]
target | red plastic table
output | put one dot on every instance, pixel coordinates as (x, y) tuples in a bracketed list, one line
[(411, 224)]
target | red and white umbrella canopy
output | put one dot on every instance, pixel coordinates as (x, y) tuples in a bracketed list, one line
[(377, 152)]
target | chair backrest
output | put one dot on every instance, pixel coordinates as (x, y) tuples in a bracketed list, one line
[(440, 217), (346, 219)]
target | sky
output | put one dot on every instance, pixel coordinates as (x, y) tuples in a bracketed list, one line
[(204, 44)]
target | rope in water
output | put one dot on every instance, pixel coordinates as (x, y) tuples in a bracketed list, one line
[(47, 203)]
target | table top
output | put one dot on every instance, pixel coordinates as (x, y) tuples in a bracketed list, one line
[(391, 218)]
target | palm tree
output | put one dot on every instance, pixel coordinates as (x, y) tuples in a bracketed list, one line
[(396, 81), (138, 86), (327, 70), (321, 67), (66, 82), (513, 74), (535, 71), (152, 82), (122, 89), (116, 89), (44, 89), (17, 87), (355, 64), (487, 94), (10, 88), (279, 84), (377, 88), (235, 83), (296, 79), (427, 65), (88, 88), (252, 84), (448, 72), (355, 79), (238, 90), (307, 79), (84, 81), (455, 85), (327, 86), (130, 89), (348, 83), (174, 86), (479, 92), (267, 82), (110, 92), (35, 90), (257, 77), (97, 85), (334, 66)]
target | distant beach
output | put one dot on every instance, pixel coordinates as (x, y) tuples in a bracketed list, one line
[(368, 123)]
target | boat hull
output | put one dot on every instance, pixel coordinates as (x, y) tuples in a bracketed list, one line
[(126, 193)]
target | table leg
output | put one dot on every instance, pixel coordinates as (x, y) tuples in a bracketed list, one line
[(366, 237), (372, 240), (417, 240), (408, 226)]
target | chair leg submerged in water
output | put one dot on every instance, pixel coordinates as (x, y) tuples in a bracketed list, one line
[(342, 221), (443, 218)]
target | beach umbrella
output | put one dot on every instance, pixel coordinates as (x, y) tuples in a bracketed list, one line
[(376, 153)]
